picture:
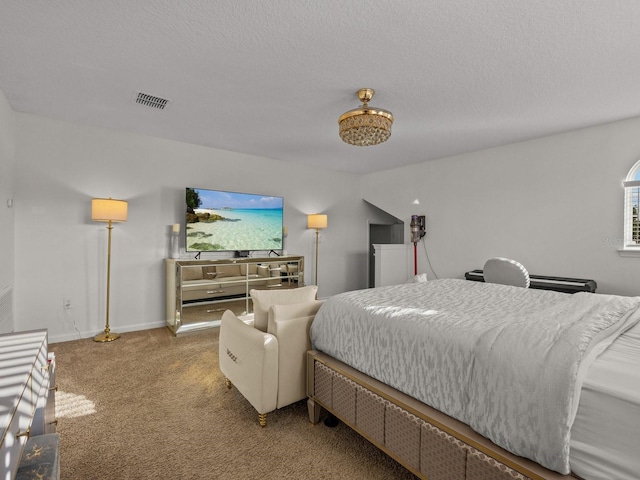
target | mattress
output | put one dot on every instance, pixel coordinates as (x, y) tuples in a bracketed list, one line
[(459, 367), (605, 438)]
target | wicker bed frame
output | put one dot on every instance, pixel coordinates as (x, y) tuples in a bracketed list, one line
[(429, 443)]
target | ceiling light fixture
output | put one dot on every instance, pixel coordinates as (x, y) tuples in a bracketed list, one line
[(365, 125)]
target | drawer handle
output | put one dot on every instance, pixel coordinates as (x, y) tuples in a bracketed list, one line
[(55, 388), (54, 422), (27, 433), (215, 291), (216, 310)]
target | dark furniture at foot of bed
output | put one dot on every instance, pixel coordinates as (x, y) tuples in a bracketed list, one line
[(427, 442), (543, 282)]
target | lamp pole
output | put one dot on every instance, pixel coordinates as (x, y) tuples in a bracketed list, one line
[(316, 221), (316, 270), (107, 336)]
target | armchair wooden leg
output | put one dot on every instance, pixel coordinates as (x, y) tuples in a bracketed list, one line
[(228, 383), (262, 418)]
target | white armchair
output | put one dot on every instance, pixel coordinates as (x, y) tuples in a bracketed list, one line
[(269, 367)]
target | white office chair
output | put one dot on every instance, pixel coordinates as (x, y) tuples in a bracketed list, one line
[(506, 272)]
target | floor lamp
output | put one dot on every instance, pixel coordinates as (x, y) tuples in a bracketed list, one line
[(108, 210), (317, 221)]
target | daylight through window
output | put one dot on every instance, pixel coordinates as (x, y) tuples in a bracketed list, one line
[(632, 208)]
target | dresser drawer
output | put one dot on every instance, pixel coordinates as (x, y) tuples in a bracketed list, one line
[(19, 428), (42, 399), (25, 376)]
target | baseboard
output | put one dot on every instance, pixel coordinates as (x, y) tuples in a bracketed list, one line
[(67, 337)]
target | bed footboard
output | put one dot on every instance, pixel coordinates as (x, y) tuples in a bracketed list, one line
[(427, 442)]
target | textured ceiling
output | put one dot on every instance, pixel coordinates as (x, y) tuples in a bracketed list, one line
[(271, 78)]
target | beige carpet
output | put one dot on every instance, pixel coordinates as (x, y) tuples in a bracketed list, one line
[(154, 406)]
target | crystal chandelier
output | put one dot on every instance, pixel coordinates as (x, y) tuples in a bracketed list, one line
[(365, 125)]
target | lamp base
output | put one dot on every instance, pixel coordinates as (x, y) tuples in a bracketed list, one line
[(106, 337)]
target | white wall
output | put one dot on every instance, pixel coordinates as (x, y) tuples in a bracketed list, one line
[(61, 253), (7, 164), (554, 203)]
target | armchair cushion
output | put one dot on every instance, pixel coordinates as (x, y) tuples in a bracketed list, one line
[(264, 299), (290, 324)]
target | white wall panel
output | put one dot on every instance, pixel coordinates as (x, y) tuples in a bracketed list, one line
[(7, 175), (555, 204), (61, 253)]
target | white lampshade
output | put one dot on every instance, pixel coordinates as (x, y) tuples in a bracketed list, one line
[(317, 221), (108, 209)]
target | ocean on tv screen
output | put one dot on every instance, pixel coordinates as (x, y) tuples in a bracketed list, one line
[(227, 221)]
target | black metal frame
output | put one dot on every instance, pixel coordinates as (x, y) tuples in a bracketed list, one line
[(542, 282)]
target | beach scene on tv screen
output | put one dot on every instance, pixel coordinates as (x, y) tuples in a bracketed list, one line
[(230, 221)]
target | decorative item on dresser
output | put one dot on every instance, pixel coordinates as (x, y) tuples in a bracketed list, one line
[(27, 401), (174, 247), (199, 291)]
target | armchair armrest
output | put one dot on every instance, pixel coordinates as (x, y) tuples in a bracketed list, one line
[(291, 324), (249, 359)]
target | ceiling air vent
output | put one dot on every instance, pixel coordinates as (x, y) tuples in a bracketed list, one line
[(152, 101)]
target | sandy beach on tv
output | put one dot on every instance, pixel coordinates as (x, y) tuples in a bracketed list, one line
[(236, 229)]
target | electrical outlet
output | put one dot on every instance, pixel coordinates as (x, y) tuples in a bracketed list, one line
[(66, 303)]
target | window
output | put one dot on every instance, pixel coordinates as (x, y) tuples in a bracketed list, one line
[(631, 208)]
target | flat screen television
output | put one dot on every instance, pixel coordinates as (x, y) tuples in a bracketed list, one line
[(220, 221)]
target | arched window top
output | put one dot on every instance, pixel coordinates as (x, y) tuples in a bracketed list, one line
[(632, 208), (634, 173)]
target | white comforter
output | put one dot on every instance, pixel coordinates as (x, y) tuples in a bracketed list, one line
[(508, 361)]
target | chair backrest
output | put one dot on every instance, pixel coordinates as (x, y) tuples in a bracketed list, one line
[(506, 272), (264, 299)]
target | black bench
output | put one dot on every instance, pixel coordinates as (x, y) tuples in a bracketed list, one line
[(541, 282)]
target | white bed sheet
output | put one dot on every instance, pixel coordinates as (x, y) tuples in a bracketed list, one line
[(605, 437)]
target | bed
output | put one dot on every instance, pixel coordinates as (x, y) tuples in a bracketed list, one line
[(458, 379)]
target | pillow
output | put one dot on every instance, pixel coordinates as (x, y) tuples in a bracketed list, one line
[(280, 316), (263, 299), (228, 271), (419, 278)]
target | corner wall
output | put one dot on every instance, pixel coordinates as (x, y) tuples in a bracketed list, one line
[(555, 204), (61, 253), (7, 227)]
